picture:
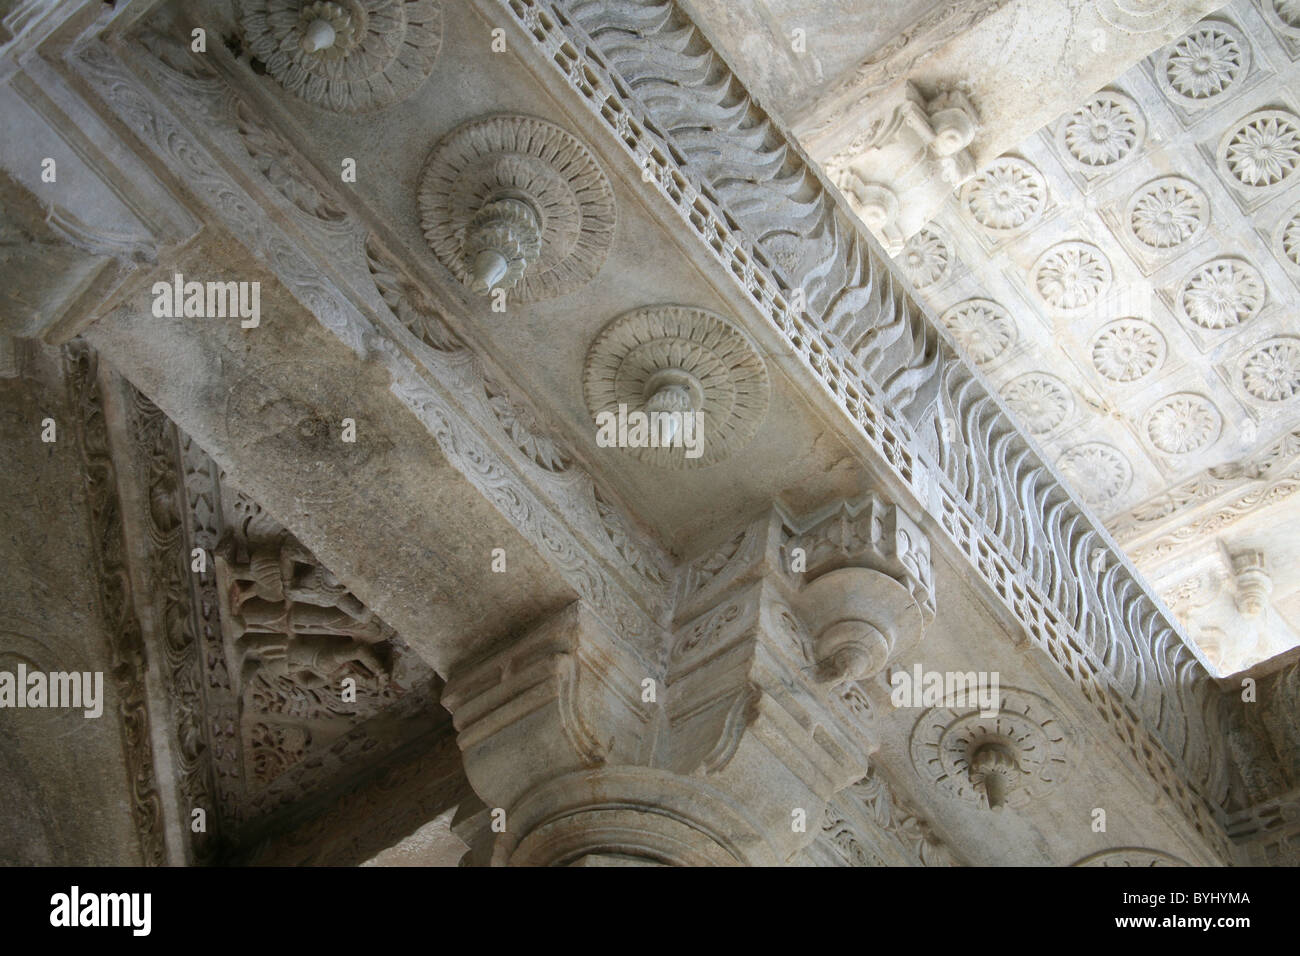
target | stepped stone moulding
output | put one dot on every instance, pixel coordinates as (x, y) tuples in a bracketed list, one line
[(1222, 294), (1008, 195), (1203, 64), (1008, 759), (1041, 401), (1103, 132), (1167, 213), (981, 327), (349, 56), (927, 257), (680, 358), (1127, 349), (1261, 150), (1183, 423), (516, 203), (1096, 471), (1071, 275), (1284, 15), (1271, 371)]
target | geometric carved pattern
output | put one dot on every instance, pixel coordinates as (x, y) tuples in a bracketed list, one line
[(532, 164), (727, 376), (949, 747), (350, 56)]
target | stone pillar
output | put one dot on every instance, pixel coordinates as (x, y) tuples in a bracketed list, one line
[(590, 752)]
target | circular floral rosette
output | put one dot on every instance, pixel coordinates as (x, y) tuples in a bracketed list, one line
[(1202, 65), (1103, 132), (1262, 150), (528, 161), (349, 56)]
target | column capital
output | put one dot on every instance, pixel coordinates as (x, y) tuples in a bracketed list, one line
[(589, 754)]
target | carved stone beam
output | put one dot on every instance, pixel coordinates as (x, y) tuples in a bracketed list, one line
[(899, 134), (369, 817), (589, 753), (585, 755), (910, 165)]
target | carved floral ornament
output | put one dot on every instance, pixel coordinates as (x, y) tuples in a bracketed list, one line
[(1096, 471), (1222, 293), (1167, 213), (1008, 195), (350, 55), (1040, 401), (1203, 64), (1071, 275), (1183, 423), (1271, 371), (680, 359), (981, 327), (1283, 15), (1261, 150), (1127, 349), (1288, 238), (1002, 759), (1103, 132), (927, 257), (516, 203)]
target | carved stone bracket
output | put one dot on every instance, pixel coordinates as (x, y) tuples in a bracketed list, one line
[(725, 755), (913, 160)]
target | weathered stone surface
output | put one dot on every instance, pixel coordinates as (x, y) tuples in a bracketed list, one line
[(392, 473)]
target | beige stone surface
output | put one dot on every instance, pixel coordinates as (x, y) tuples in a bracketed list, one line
[(374, 586)]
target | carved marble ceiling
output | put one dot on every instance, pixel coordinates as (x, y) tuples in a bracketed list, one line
[(1125, 277), (1127, 281)]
